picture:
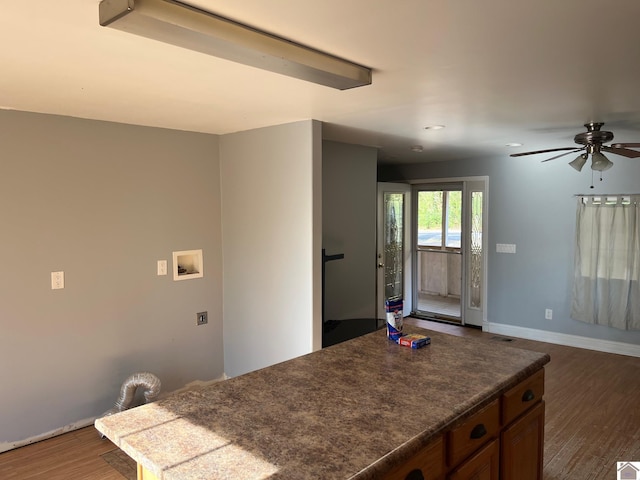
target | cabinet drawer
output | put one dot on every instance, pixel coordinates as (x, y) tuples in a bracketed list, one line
[(522, 397), (484, 465), (467, 437), (429, 462)]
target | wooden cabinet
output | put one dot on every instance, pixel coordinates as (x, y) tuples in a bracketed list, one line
[(473, 448), (473, 433), (522, 444), (503, 440), (522, 397), (522, 438), (483, 465), (428, 464), (482, 447)]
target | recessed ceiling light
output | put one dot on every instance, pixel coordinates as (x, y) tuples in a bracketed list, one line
[(434, 127), (513, 144), (416, 148)]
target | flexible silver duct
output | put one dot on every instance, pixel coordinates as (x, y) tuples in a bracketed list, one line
[(148, 381)]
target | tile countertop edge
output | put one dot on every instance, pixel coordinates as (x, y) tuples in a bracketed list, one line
[(410, 448)]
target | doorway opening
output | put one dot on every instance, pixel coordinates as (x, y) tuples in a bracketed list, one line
[(449, 262), (439, 252)]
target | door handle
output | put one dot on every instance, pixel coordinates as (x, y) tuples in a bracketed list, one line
[(415, 475), (528, 396), (381, 265), (478, 431)]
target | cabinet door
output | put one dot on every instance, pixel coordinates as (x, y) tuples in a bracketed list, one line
[(484, 465), (522, 447)]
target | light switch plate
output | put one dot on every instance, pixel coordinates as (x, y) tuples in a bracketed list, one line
[(162, 267), (505, 248)]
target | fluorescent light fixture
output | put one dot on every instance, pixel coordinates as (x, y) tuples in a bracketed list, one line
[(185, 26)]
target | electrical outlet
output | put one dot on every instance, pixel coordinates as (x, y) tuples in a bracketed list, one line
[(57, 280), (201, 318), (548, 314)]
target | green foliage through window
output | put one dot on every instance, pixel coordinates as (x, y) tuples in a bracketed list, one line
[(438, 209)]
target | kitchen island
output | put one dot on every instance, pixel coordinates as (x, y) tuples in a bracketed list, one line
[(361, 410)]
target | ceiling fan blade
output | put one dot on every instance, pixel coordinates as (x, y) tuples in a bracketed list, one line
[(625, 152), (542, 151), (622, 145), (563, 154)]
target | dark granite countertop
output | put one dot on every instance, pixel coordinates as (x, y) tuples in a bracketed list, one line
[(351, 411)]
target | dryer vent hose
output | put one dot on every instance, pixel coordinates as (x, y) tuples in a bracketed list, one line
[(146, 380)]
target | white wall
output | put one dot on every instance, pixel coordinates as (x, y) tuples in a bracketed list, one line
[(271, 224), (349, 226), (101, 202)]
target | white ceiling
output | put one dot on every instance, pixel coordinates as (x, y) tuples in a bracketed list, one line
[(492, 71)]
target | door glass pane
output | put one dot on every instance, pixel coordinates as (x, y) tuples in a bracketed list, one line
[(430, 218), (393, 235), (439, 259), (475, 277), (454, 218)]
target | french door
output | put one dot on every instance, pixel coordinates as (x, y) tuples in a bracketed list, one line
[(449, 261), (393, 260)]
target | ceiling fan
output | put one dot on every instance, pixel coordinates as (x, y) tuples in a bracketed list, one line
[(592, 144)]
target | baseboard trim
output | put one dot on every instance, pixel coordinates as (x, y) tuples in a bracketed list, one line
[(607, 346), (4, 447)]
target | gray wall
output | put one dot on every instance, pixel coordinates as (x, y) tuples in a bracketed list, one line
[(532, 205), (102, 202), (271, 223), (349, 227)]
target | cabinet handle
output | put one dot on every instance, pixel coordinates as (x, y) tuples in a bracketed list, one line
[(478, 431), (414, 475), (528, 396)]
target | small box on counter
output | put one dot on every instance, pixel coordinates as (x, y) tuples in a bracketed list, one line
[(414, 340)]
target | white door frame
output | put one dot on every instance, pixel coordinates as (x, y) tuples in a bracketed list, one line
[(485, 243), (407, 295)]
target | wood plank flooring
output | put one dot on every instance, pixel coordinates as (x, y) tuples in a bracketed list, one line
[(592, 420), (592, 399), (71, 456)]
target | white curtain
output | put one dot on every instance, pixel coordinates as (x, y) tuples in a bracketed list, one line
[(607, 261)]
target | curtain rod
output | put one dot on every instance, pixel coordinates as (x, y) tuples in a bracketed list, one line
[(606, 194)]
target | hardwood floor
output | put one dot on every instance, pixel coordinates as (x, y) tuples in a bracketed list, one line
[(592, 420), (592, 400), (71, 456)]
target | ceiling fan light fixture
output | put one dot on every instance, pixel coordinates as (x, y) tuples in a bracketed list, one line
[(579, 162), (599, 162)]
